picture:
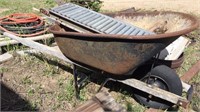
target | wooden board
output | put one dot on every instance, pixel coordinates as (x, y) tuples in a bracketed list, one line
[(11, 42), (157, 92), (5, 57), (176, 48), (101, 102)]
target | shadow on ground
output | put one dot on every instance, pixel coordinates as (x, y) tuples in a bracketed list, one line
[(11, 101)]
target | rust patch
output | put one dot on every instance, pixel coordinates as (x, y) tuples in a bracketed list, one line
[(191, 72)]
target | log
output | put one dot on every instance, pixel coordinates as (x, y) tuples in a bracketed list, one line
[(11, 42)]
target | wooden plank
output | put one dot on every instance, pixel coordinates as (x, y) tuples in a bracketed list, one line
[(40, 47), (157, 92), (109, 102), (11, 42), (5, 57), (101, 102), (176, 48)]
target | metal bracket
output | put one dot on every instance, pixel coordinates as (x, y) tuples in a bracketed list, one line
[(104, 83), (183, 103)]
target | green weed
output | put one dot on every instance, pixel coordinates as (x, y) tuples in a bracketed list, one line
[(134, 108), (49, 70), (31, 92), (196, 103), (68, 93), (3, 69), (27, 80)]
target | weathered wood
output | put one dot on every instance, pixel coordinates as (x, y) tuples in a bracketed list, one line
[(176, 48), (159, 25), (40, 47), (89, 106), (108, 102), (11, 42), (101, 102), (157, 92), (5, 57), (2, 36)]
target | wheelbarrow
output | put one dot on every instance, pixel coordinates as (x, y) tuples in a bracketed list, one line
[(121, 54)]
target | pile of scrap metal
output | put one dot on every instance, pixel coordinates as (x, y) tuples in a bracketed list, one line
[(23, 24)]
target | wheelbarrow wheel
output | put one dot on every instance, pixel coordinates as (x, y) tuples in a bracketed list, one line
[(164, 78)]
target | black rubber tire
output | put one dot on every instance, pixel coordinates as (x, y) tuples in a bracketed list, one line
[(164, 78)]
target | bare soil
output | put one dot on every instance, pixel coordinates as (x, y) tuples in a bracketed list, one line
[(187, 6), (33, 83)]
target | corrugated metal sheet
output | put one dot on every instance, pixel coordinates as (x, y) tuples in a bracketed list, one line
[(95, 21)]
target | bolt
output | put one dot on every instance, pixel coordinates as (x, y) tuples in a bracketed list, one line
[(150, 96)]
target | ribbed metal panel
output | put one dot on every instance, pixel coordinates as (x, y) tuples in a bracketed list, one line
[(96, 21), (123, 30), (118, 29), (100, 22), (86, 18), (91, 19)]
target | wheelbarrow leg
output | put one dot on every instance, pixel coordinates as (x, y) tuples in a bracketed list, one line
[(153, 65), (78, 83), (77, 91), (104, 83)]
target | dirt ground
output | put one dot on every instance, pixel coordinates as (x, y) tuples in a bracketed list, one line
[(189, 6)]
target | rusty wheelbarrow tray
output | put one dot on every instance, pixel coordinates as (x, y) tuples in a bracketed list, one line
[(123, 54), (116, 54)]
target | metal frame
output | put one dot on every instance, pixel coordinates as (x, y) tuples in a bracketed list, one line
[(78, 83), (137, 84)]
